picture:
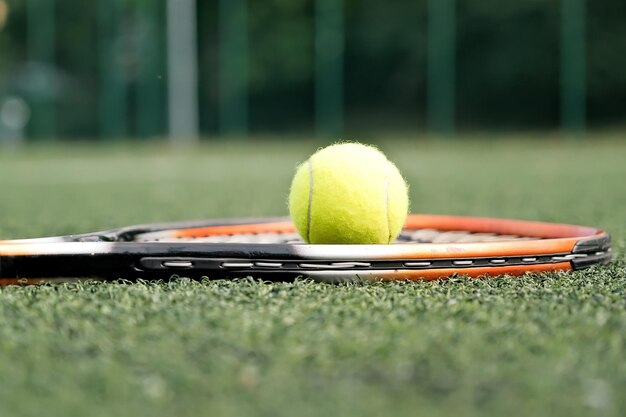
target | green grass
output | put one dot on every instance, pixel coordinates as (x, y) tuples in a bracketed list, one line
[(552, 344)]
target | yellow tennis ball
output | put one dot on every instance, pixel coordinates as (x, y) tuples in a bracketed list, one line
[(348, 193)]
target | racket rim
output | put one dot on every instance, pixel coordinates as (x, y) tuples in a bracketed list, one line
[(577, 248)]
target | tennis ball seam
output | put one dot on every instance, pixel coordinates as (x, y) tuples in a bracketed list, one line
[(308, 220), (387, 204)]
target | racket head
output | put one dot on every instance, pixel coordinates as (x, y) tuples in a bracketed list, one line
[(429, 247)]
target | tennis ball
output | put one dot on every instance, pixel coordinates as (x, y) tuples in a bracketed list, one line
[(348, 193)]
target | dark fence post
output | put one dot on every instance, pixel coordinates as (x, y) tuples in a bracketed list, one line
[(41, 55), (573, 68), (441, 65), (233, 70), (329, 67), (150, 71), (112, 92)]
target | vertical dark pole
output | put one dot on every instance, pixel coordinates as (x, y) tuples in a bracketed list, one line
[(329, 67), (112, 100), (573, 71), (41, 51), (233, 71), (150, 71), (441, 65)]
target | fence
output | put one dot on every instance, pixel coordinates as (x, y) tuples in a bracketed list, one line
[(185, 68)]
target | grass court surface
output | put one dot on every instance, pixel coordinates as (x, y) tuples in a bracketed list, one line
[(551, 344)]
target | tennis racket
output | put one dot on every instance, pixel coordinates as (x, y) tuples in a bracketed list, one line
[(429, 247)]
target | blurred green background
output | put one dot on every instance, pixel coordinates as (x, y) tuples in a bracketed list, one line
[(186, 68)]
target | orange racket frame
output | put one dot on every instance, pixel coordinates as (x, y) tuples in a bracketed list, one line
[(267, 249)]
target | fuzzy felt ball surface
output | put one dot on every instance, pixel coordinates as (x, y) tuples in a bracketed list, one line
[(348, 193)]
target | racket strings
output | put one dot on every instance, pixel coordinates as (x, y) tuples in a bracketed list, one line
[(455, 236), (407, 236)]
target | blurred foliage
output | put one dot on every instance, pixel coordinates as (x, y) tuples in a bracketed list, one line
[(507, 61)]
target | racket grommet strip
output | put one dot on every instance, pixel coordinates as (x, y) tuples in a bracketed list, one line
[(268, 264), (177, 264), (430, 247), (423, 264), (237, 264)]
